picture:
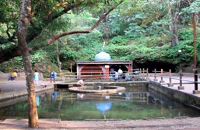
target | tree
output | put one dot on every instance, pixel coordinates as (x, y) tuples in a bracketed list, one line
[(23, 23), (43, 13), (173, 12), (25, 17)]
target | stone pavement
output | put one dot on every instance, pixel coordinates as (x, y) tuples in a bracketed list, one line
[(151, 124), (18, 84), (7, 86)]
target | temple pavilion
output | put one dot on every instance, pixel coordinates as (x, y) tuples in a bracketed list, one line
[(101, 67)]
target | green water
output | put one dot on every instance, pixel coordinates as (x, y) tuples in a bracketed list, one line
[(74, 106)]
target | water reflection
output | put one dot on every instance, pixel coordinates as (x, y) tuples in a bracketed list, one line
[(54, 95), (38, 101), (80, 95), (80, 106), (103, 107)]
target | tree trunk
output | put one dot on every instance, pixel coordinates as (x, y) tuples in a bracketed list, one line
[(23, 23), (172, 26), (58, 61), (58, 57)]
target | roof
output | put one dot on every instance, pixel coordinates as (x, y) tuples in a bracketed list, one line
[(102, 62), (102, 56)]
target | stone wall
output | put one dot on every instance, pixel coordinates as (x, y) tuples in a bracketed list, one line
[(185, 98)]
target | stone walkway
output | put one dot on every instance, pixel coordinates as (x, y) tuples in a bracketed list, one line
[(187, 78), (151, 124)]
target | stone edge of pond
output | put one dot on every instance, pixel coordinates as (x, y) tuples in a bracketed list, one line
[(182, 97), (13, 94)]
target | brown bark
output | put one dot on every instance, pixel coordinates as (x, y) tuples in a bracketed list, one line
[(58, 58), (23, 23), (56, 37), (172, 26), (194, 39)]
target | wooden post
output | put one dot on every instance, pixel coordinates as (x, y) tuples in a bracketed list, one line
[(147, 74), (181, 87), (195, 91), (161, 76), (170, 78), (155, 75), (143, 73), (71, 67)]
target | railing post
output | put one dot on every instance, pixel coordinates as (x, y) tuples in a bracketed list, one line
[(161, 76), (143, 73), (170, 78), (155, 75), (147, 74), (181, 86), (139, 71), (196, 91)]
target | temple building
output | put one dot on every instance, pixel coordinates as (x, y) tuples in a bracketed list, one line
[(101, 67)]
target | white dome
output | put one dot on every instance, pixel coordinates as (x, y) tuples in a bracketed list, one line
[(102, 56)]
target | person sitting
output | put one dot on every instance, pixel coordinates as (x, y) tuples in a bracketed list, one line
[(81, 83), (13, 76), (127, 77)]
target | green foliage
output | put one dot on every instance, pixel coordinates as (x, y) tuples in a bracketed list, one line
[(193, 8), (119, 40), (134, 30), (10, 66)]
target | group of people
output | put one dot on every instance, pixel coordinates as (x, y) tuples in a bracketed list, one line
[(38, 76), (117, 75)]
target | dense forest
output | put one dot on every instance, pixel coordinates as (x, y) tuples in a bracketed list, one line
[(146, 32)]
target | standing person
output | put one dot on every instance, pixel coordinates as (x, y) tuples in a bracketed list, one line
[(112, 73), (81, 83), (52, 76), (116, 76), (120, 72), (36, 77)]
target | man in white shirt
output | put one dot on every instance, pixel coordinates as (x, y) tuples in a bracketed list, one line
[(120, 72)]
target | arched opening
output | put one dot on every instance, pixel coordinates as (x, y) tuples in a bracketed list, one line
[(91, 72), (117, 67)]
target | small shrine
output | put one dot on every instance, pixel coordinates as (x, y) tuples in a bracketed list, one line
[(102, 66)]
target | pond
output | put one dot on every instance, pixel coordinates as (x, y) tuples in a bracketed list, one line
[(66, 105)]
